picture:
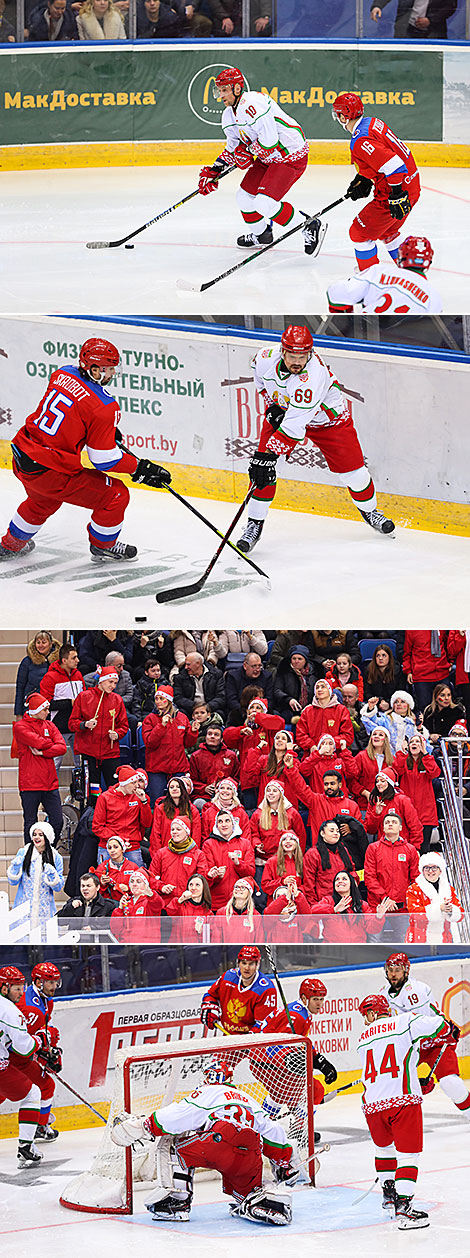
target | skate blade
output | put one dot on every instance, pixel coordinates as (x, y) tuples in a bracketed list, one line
[(181, 1216), (410, 1225), (187, 286)]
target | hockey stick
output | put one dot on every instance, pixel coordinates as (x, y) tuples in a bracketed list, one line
[(272, 962), (426, 1078), (69, 1087), (185, 591), (215, 530), (330, 1096), (188, 286), (114, 244)]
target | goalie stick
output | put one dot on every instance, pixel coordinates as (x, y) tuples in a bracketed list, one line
[(272, 962), (185, 591), (188, 286), (114, 244)]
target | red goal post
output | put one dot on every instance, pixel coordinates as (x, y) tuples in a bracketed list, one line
[(276, 1070)]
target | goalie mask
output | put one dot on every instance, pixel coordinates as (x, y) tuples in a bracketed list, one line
[(217, 1071)]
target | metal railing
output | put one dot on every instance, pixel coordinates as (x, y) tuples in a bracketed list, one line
[(457, 846)]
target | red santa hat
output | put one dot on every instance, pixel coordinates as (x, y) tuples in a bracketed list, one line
[(330, 688), (126, 773), (245, 882), (459, 730), (165, 689), (230, 781), (143, 776), (325, 738), (388, 778), (183, 822), (139, 869), (117, 838), (36, 702), (108, 672), (261, 703)]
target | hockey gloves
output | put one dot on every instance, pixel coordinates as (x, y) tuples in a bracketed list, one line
[(325, 1067), (427, 1085), (399, 203), (262, 469), (210, 1013), (242, 157), (52, 1058), (359, 188), (148, 473), (274, 414), (208, 180)]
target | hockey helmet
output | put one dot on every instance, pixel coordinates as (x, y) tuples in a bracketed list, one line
[(9, 975), (228, 78), (96, 352), (398, 958), (349, 105), (46, 971), (297, 339), (416, 253), (375, 1004), (217, 1070), (311, 987), (249, 953)]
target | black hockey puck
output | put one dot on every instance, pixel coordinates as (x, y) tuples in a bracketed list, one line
[(128, 246), (140, 619)]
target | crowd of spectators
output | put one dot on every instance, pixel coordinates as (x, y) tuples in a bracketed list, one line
[(234, 774)]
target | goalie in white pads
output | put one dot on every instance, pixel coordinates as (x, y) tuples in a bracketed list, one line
[(390, 287), (221, 1128), (392, 1101)]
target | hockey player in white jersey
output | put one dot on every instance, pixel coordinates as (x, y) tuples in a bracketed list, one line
[(389, 287), (303, 399), (219, 1127), (19, 1072), (406, 995), (392, 1100), (271, 147)]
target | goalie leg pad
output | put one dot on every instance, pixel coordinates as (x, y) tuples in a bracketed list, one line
[(173, 1180), (265, 1206)]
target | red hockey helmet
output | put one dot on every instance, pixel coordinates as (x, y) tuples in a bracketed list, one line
[(217, 1070), (375, 1004), (349, 105), (416, 253), (398, 958), (249, 953), (98, 353), (228, 78), (311, 987), (297, 339), (9, 975), (46, 970)]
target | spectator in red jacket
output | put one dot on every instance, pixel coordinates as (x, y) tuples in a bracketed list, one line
[(166, 733), (367, 764), (193, 909), (344, 672), (287, 919), (123, 809), (425, 662), (211, 762), (274, 815), (385, 798), (324, 861), (238, 921), (114, 871), (225, 799), (135, 920), (331, 803), (458, 649), (175, 803), (98, 720), (324, 715), (257, 732), (281, 764), (346, 916), (390, 866), (433, 904), (416, 771), (325, 757), (172, 866), (39, 741), (285, 869), (227, 856)]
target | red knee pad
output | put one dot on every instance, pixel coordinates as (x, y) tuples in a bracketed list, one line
[(357, 232)]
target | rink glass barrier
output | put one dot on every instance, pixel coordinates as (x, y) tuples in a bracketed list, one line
[(291, 19)]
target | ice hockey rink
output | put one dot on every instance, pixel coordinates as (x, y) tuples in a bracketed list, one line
[(312, 561), (49, 215), (33, 1221)]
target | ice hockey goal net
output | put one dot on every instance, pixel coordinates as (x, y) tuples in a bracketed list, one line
[(276, 1070)]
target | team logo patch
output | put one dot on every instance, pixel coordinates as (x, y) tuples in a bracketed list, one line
[(303, 376)]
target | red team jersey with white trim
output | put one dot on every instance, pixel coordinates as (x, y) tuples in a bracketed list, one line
[(73, 414), (243, 1008), (389, 1053), (379, 155)]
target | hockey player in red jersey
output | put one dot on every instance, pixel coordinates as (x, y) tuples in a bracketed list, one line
[(240, 999), (77, 412), (37, 1003), (392, 1102), (383, 163), (22, 1076), (297, 1019)]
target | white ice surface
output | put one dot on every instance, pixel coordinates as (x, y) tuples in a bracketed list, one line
[(48, 216), (324, 1219), (317, 565)]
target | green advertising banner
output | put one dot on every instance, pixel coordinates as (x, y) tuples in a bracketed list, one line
[(78, 94)]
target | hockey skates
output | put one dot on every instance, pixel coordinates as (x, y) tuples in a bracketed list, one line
[(314, 234), (46, 1133), (27, 1155), (252, 241), (378, 522), (118, 551), (408, 1218), (389, 1196), (250, 536), (7, 552), (264, 1205)]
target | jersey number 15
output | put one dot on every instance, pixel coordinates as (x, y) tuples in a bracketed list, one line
[(53, 414)]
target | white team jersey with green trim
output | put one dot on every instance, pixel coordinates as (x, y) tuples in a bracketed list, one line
[(313, 398), (206, 1105), (14, 1035), (413, 997), (389, 1053), (386, 289), (263, 126)]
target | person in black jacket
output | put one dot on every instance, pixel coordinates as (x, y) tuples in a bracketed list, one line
[(383, 676), (89, 903), (429, 23), (251, 672), (157, 20), (143, 699), (354, 837), (53, 21), (293, 684), (196, 680)]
